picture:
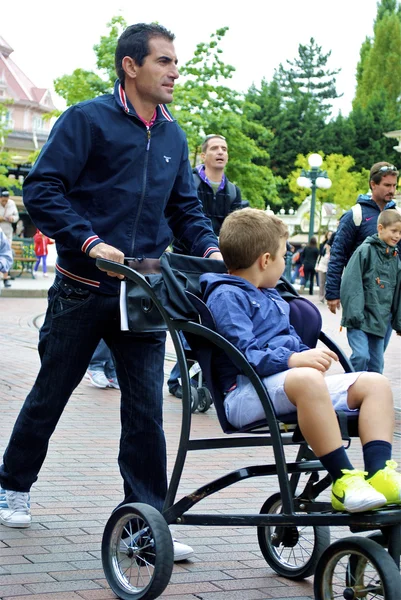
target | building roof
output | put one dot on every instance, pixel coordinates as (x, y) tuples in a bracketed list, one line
[(17, 84)]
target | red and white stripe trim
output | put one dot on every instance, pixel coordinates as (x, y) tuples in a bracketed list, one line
[(210, 250), (91, 282), (123, 97), (165, 113), (88, 242)]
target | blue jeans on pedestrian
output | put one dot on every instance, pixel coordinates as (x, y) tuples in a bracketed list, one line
[(102, 360), (76, 320), (367, 351)]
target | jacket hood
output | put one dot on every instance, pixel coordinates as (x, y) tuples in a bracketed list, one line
[(210, 281), (376, 241), (367, 199)]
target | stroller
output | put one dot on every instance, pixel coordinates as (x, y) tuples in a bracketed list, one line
[(137, 552)]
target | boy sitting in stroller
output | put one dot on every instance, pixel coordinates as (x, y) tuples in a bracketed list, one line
[(250, 313)]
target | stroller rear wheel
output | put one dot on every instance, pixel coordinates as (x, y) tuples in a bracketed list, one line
[(204, 399), (356, 567), (137, 552), (292, 552)]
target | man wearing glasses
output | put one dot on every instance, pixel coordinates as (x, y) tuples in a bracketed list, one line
[(357, 224)]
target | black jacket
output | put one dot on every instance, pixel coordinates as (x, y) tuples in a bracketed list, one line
[(215, 206)]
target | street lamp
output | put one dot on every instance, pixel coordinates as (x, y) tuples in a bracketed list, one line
[(315, 178)]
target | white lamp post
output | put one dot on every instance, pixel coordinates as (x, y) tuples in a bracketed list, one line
[(314, 178)]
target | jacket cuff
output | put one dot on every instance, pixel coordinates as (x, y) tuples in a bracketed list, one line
[(210, 251), (90, 242)]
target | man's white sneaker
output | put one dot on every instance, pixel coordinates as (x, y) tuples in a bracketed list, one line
[(14, 509), (98, 379), (181, 551)]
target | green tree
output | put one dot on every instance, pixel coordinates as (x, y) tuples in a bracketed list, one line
[(309, 75), (379, 69), (84, 85), (203, 105), (346, 183), (5, 156)]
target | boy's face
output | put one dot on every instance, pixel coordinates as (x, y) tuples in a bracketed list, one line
[(391, 235), (275, 266)]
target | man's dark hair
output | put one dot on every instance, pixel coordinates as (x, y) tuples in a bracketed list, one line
[(134, 42), (210, 137), (380, 170)]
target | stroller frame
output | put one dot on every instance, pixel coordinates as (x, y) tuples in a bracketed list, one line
[(297, 511)]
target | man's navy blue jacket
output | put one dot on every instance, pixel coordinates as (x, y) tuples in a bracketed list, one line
[(347, 239), (104, 176)]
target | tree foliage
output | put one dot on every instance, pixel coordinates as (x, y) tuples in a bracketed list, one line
[(379, 69), (346, 183), (83, 85), (5, 156), (203, 104)]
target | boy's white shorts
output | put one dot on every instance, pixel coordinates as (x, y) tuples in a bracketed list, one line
[(242, 405)]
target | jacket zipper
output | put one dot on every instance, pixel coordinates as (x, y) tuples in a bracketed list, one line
[(145, 172)]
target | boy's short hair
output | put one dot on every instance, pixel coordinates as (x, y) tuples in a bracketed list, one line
[(248, 233), (389, 217)]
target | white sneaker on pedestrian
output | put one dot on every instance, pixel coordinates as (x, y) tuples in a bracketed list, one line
[(113, 383), (15, 509), (98, 379), (181, 551)]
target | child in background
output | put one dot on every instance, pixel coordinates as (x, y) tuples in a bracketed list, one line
[(371, 293), (41, 241), (250, 313)]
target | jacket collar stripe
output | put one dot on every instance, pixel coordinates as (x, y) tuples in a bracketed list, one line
[(165, 113), (123, 97), (92, 282)]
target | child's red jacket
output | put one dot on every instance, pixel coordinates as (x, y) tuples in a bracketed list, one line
[(40, 243)]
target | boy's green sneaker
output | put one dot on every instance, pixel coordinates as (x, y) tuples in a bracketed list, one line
[(353, 493), (388, 482)]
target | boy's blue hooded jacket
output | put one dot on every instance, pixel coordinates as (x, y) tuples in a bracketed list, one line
[(254, 320), (104, 176)]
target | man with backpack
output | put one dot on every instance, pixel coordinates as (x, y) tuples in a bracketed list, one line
[(219, 197), (357, 224)]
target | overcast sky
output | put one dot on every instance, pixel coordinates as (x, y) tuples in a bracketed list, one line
[(52, 39)]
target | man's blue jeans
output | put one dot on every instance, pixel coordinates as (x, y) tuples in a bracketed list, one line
[(367, 351), (102, 360), (75, 322)]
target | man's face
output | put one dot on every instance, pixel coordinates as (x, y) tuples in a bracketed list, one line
[(3, 200), (216, 154), (385, 190), (154, 80)]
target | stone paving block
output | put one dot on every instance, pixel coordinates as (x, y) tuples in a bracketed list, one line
[(13, 591), (58, 596), (24, 578), (65, 586)]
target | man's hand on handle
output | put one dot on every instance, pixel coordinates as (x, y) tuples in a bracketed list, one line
[(334, 305), (107, 252)]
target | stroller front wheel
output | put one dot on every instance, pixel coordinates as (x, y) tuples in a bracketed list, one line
[(137, 552)]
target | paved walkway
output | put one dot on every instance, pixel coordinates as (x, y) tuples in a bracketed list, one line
[(58, 558)]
